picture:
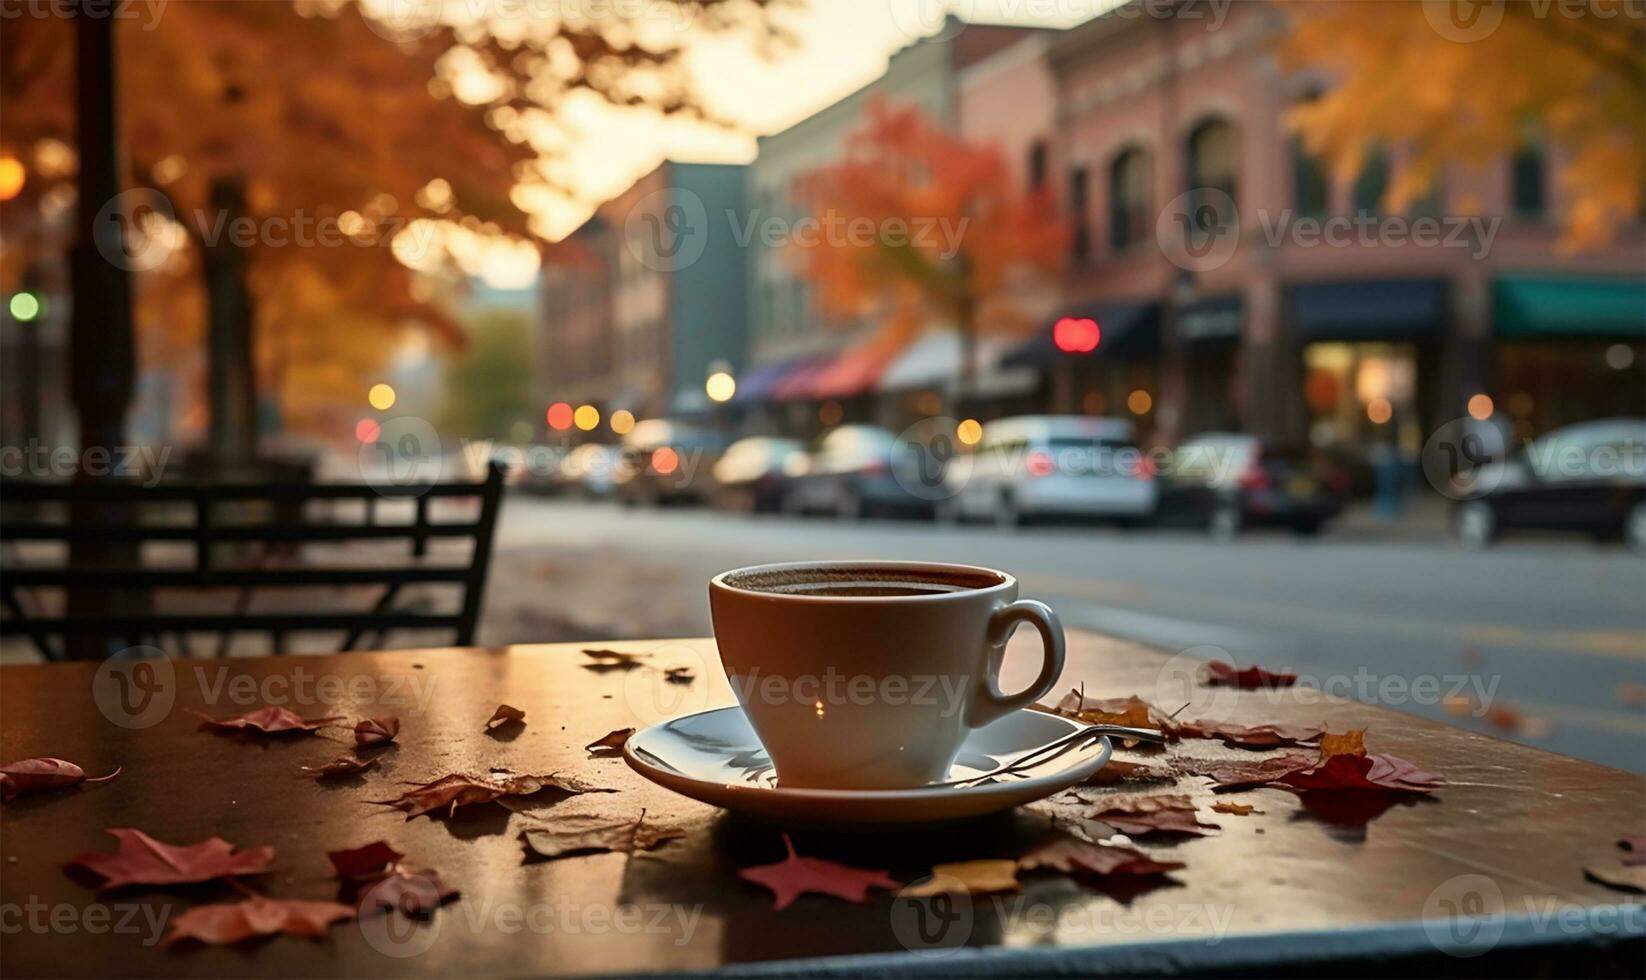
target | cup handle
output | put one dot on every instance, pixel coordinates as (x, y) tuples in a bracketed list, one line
[(993, 703)]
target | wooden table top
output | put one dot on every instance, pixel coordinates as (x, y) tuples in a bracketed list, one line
[(1507, 837)]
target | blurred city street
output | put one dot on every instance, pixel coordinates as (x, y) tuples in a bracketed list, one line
[(1536, 640)]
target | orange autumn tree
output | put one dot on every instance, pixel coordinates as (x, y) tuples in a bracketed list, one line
[(319, 110), (1470, 91), (952, 242)]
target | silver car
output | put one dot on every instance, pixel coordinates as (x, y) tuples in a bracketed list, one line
[(1041, 466)]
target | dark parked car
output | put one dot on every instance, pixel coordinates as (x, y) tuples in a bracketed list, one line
[(666, 461), (1589, 477), (1226, 482), (753, 474), (858, 470)]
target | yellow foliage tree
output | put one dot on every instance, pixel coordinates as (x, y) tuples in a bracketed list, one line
[(1465, 92)]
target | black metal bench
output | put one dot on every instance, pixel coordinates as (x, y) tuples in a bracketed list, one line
[(227, 536)]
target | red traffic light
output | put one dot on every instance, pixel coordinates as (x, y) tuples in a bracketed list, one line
[(1076, 335)]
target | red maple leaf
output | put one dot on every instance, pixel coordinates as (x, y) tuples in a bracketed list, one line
[(795, 875), (1255, 737), (269, 721), (39, 775), (372, 861), (1166, 814), (1074, 856), (1226, 675), (1363, 772), (142, 860), (376, 731), (232, 922)]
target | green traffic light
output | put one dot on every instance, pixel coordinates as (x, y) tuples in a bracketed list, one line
[(25, 307)]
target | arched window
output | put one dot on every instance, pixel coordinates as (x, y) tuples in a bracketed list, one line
[(1310, 189), (1373, 181), (1129, 176), (1212, 167), (1526, 181)]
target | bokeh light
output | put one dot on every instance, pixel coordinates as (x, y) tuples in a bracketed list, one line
[(665, 460), (1139, 401), (367, 430), (969, 432), (622, 422), (830, 413), (586, 417), (560, 416), (12, 177), (1480, 407), (1379, 410), (1619, 356), (720, 386), (381, 397), (1076, 335), (24, 307)]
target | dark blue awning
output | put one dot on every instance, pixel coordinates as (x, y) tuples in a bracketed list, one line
[(1216, 318), (1398, 309), (1129, 332)]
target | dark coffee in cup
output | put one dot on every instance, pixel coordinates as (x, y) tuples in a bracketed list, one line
[(860, 582)]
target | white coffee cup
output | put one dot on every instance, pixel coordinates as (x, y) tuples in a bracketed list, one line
[(870, 674)]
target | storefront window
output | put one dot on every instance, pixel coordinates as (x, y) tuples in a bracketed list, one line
[(1546, 384), (1362, 394)]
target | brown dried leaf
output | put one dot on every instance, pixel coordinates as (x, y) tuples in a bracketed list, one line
[(376, 731), (371, 861), (267, 721), (1352, 742), (1254, 737), (232, 922), (343, 765), (795, 875), (967, 877), (1242, 774), (610, 744), (1238, 809), (678, 675), (585, 833), (605, 660), (1167, 813), (1082, 859), (142, 860), (504, 715), (41, 775), (1118, 771), (459, 789)]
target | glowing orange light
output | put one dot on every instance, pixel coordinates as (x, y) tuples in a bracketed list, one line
[(1379, 410), (969, 432), (1480, 407), (1139, 402), (665, 460), (1076, 335), (12, 177), (367, 430), (560, 416)]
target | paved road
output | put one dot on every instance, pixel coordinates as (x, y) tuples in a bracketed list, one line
[(1550, 636)]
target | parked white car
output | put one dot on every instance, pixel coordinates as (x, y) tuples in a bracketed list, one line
[(1036, 466)]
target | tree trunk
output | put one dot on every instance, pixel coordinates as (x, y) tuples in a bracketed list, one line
[(231, 370), (101, 347)]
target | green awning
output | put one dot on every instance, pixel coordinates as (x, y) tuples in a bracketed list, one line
[(1524, 306)]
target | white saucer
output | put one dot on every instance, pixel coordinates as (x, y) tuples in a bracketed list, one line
[(714, 757)]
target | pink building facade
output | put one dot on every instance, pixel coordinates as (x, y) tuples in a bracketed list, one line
[(1241, 287)]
